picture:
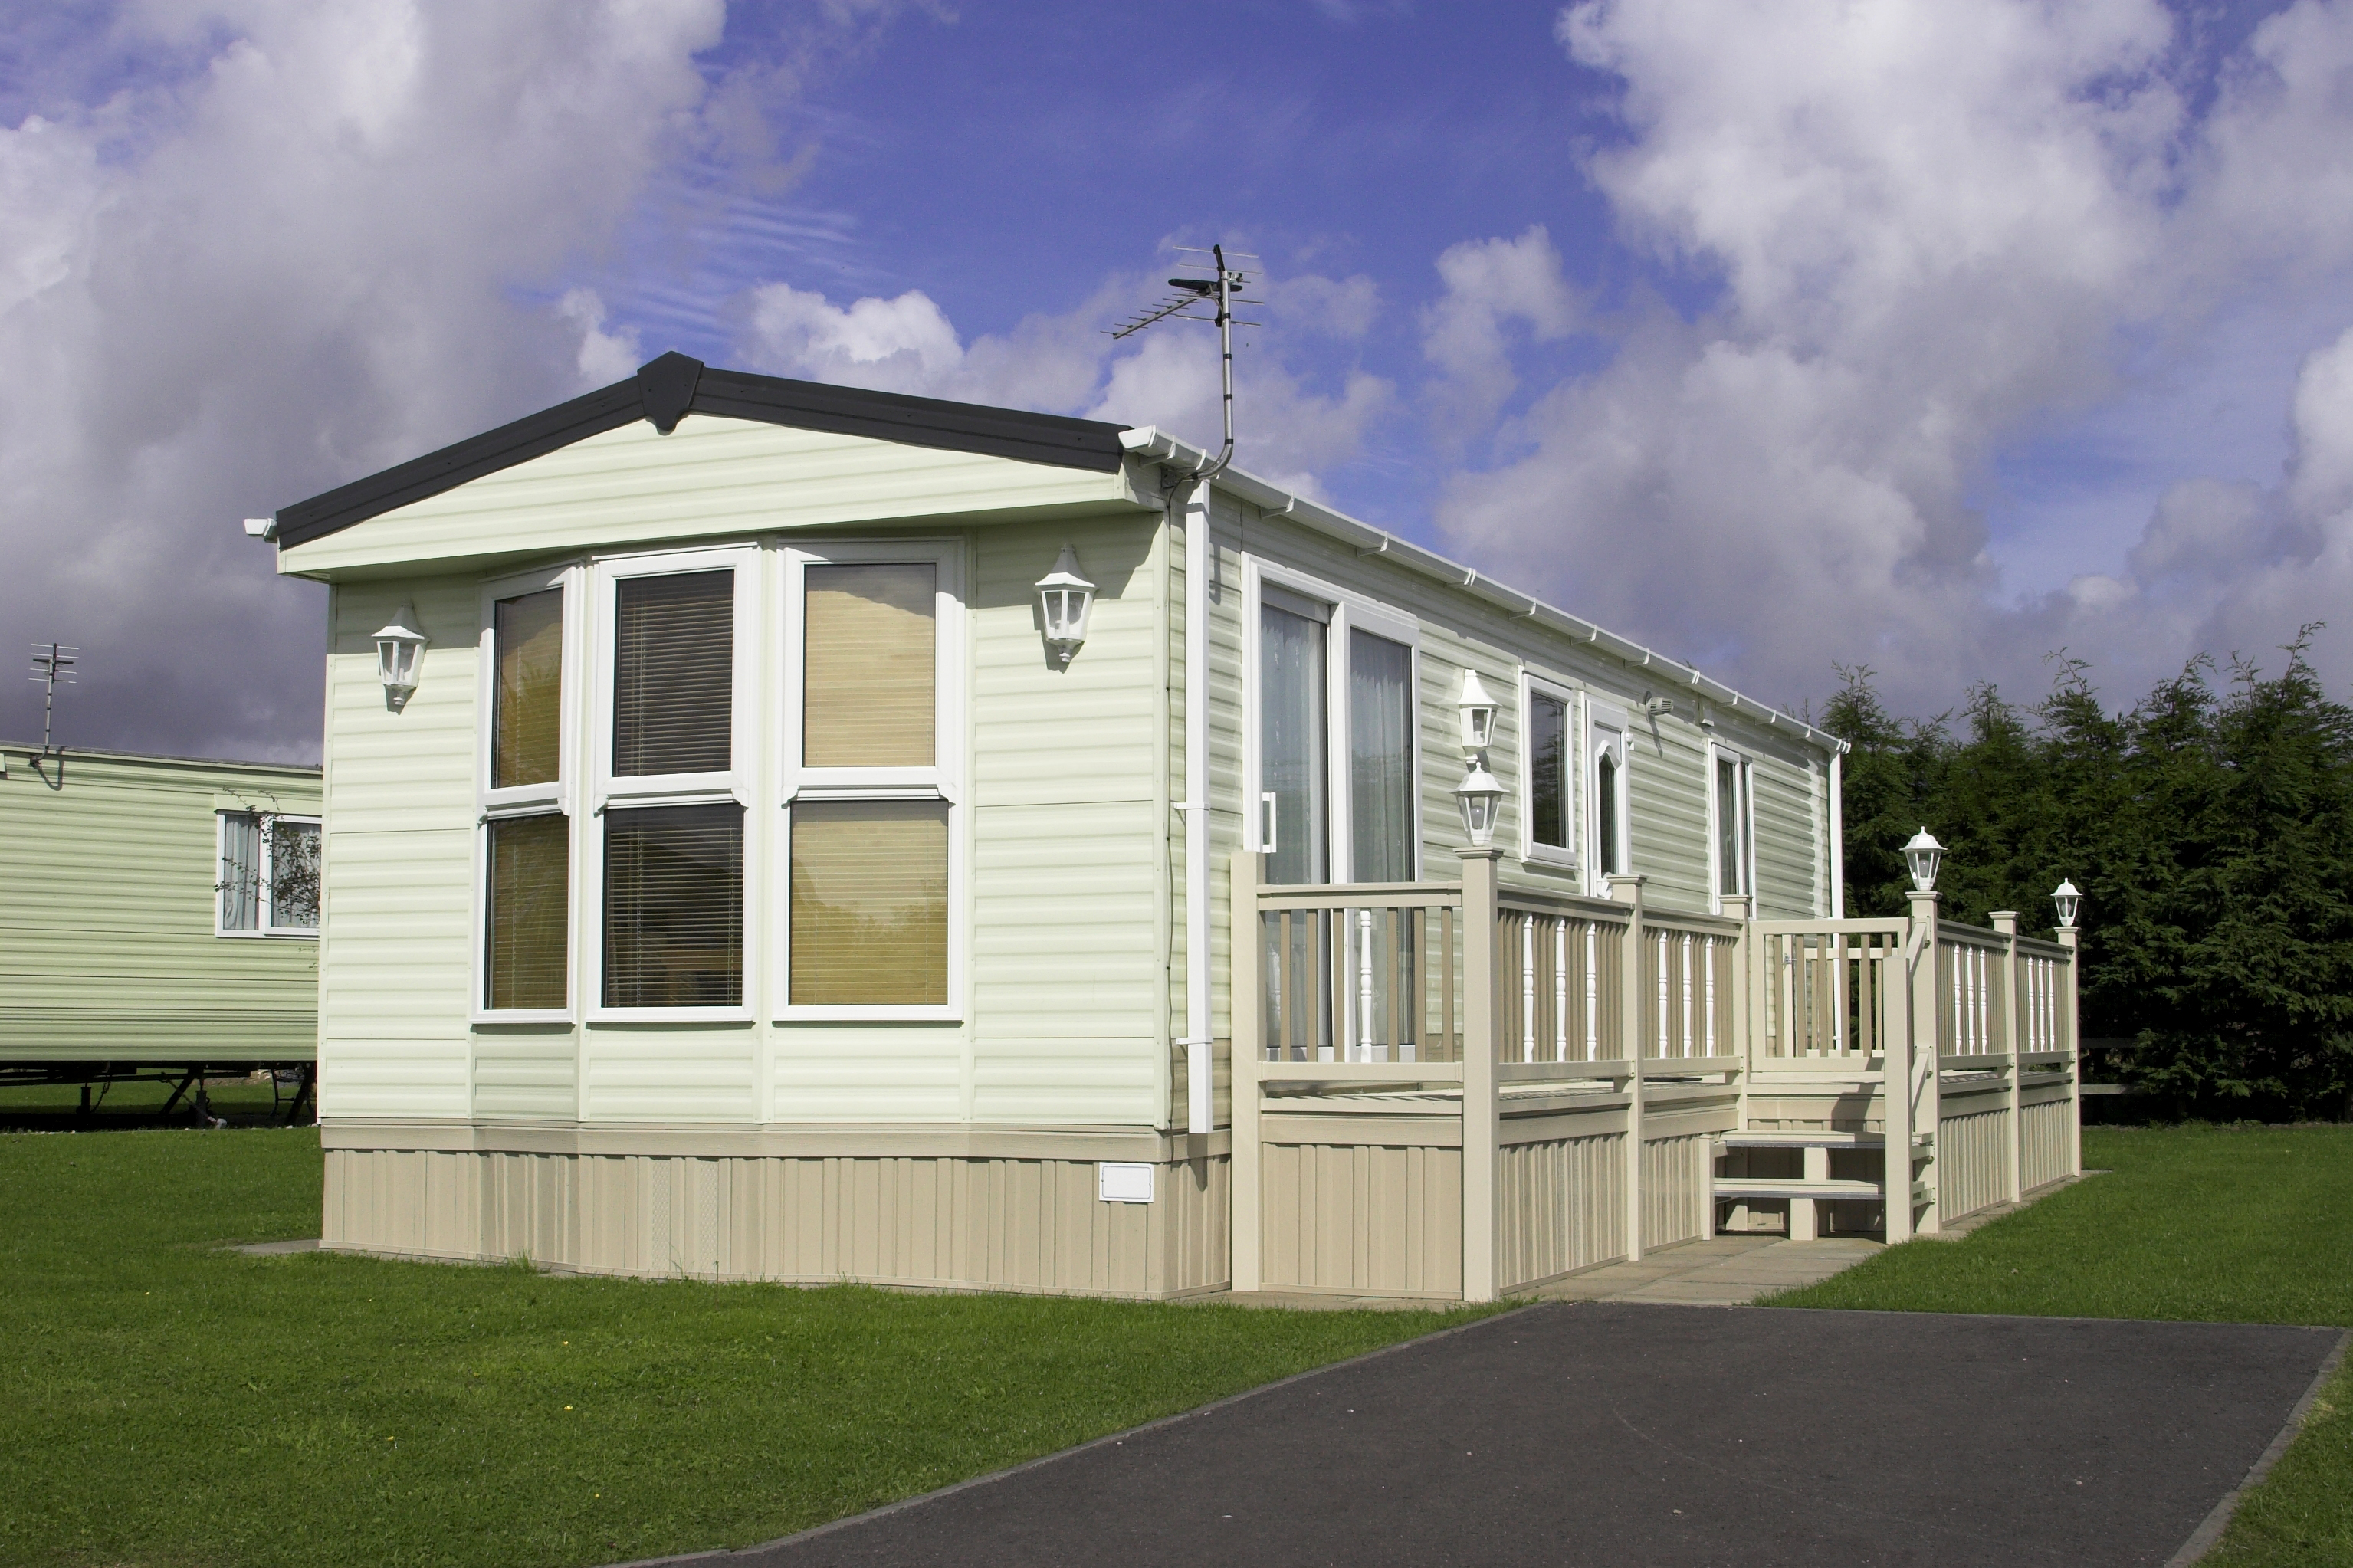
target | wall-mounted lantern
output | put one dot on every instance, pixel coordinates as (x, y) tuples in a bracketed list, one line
[(1924, 854), (1478, 713), (1064, 598), (399, 656), (2067, 897), (1480, 796)]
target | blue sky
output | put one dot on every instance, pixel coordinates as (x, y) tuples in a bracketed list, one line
[(1780, 336)]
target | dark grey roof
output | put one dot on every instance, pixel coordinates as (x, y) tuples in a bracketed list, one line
[(669, 388)]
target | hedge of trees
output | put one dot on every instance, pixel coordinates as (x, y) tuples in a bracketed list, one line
[(2208, 827)]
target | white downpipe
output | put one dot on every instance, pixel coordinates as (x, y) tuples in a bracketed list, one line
[(1199, 1067)]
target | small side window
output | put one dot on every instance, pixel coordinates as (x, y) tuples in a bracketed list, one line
[(268, 882)]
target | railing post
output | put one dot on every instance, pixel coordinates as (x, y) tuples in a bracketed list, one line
[(2067, 939), (1482, 973), (1737, 907), (1246, 1007), (1627, 890), (1925, 1043), (2006, 923)]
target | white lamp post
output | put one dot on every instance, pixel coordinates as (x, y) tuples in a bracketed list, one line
[(1478, 713), (399, 656), (1480, 796), (1924, 854), (1063, 599), (2067, 897)]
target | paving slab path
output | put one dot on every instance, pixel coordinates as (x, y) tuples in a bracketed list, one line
[(1610, 1433)]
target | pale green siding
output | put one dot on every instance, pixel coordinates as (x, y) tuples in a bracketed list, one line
[(108, 949)]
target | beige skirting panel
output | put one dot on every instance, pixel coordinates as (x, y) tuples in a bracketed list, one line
[(1560, 1205), (1676, 1174), (1972, 1162), (1362, 1218), (2047, 1132), (977, 1224)]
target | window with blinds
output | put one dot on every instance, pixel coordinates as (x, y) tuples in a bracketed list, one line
[(870, 665), (1547, 741), (674, 907), (673, 673), (527, 696), (870, 903), (529, 912)]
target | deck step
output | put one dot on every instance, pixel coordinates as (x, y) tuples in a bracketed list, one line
[(1800, 1138), (1767, 1187)]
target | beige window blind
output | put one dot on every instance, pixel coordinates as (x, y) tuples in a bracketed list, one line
[(529, 698), (674, 907), (870, 903), (870, 665), (673, 673), (530, 884)]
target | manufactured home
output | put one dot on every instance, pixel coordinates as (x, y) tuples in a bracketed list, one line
[(161, 918), (781, 831)]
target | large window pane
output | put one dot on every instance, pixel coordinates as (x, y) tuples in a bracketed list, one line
[(1380, 759), (1604, 815), (240, 872), (530, 880), (528, 637), (870, 903), (1548, 772), (674, 907), (673, 673), (869, 663), (1292, 759), (293, 875)]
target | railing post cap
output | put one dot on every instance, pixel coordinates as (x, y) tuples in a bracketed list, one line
[(1480, 852), (1918, 898)]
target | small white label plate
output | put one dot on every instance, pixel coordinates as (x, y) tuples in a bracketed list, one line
[(1120, 1184)]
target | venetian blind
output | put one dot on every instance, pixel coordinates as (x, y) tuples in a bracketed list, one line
[(530, 881), (674, 907), (673, 673), (870, 903), (529, 632), (870, 665)]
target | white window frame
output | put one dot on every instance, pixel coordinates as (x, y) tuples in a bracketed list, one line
[(1531, 687), (605, 791), (1350, 613), (944, 781), (1606, 734), (560, 797), (263, 913), (1745, 765)]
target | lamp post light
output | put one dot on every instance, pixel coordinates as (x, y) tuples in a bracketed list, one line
[(1063, 599), (1924, 854), (2067, 897), (1480, 796), (399, 656)]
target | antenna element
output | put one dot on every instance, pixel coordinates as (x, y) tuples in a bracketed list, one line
[(1219, 293), (52, 664)]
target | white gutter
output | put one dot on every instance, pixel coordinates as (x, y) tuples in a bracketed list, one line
[(1153, 444)]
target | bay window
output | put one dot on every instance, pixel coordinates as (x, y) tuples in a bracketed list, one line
[(526, 827)]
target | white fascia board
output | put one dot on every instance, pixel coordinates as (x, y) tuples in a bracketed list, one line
[(1152, 444)]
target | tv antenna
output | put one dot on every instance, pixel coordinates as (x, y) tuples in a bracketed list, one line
[(53, 664), (1219, 293)]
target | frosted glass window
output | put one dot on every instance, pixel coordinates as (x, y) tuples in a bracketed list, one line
[(528, 925), (870, 903), (1293, 763), (673, 673), (674, 907), (871, 660), (527, 635), (1380, 759), (1548, 771)]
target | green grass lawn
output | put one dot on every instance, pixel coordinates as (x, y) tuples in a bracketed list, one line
[(2227, 1224), (169, 1403)]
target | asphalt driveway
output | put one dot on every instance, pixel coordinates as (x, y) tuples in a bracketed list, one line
[(1617, 1434)]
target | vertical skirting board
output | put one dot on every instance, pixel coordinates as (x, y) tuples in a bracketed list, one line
[(1560, 1205), (930, 1221), (2045, 1157), (1972, 1163), (1675, 1187), (1362, 1219)]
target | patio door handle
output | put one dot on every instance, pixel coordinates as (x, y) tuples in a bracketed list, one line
[(1271, 807)]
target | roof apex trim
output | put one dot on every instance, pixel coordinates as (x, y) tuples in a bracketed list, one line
[(668, 388)]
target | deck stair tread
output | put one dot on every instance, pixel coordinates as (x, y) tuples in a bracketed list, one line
[(1795, 1188)]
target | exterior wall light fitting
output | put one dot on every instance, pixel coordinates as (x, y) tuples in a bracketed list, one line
[(1478, 713), (1924, 854), (399, 656), (1064, 598), (1480, 796), (2067, 897)]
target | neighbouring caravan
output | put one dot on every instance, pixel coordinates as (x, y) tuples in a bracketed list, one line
[(161, 918), (781, 831)]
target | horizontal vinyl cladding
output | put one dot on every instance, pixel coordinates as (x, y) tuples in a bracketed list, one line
[(1064, 976), (107, 943)]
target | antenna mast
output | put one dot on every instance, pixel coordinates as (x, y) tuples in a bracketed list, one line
[(52, 662), (1220, 292)]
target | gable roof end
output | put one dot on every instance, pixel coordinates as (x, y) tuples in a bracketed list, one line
[(666, 390)]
